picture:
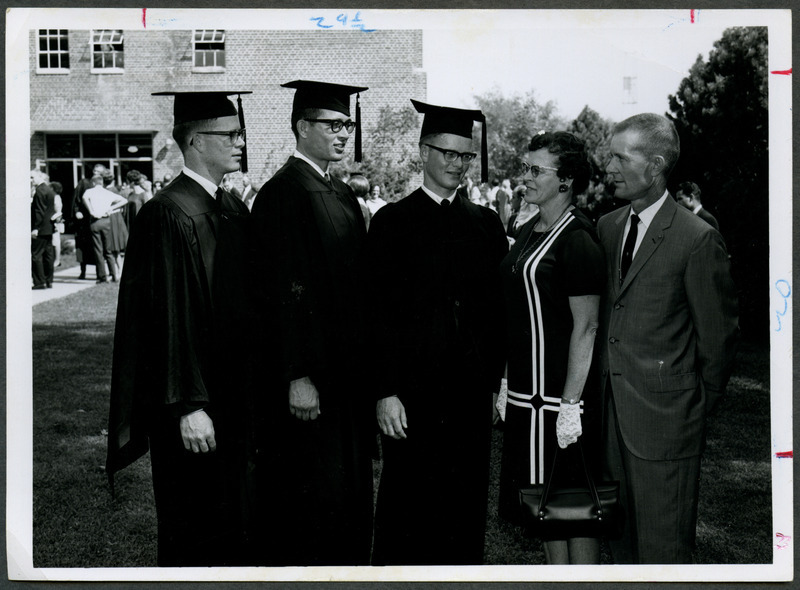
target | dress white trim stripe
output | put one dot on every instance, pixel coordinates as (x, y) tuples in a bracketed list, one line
[(551, 403)]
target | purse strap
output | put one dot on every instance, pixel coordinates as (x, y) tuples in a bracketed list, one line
[(548, 482)]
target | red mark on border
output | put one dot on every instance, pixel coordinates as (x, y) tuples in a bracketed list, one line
[(691, 15), (785, 455), (782, 72), (144, 17), (783, 540)]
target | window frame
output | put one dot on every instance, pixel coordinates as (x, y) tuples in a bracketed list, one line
[(114, 69), (49, 52), (215, 68)]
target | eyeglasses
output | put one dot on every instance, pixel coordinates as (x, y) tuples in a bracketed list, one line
[(233, 136), (534, 169), (451, 156), (335, 124)]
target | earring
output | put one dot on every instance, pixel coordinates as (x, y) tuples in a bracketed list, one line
[(563, 188)]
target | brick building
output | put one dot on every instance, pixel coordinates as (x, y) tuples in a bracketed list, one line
[(90, 90)]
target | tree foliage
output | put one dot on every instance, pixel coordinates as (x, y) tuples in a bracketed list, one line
[(595, 132), (720, 111), (510, 124)]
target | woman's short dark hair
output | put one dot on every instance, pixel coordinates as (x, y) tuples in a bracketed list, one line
[(572, 159), (133, 176)]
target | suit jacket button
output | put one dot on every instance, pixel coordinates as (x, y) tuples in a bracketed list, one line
[(618, 306), (612, 340)]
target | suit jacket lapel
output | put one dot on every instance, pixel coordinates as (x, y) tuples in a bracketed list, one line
[(653, 238)]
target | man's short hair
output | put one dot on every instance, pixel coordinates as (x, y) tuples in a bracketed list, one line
[(689, 188), (430, 137), (182, 132), (97, 180), (303, 114), (658, 137), (108, 177)]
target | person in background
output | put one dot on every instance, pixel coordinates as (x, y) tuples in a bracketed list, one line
[(553, 278), (317, 439), (502, 202), (101, 205), (58, 221), (84, 245), (249, 192), (117, 218), (360, 186), (42, 211), (157, 186), (526, 212), (178, 382), (375, 202), (688, 195), (227, 184), (435, 303), (140, 189), (668, 333)]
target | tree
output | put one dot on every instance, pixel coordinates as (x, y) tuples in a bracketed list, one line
[(596, 133), (510, 124), (720, 111)]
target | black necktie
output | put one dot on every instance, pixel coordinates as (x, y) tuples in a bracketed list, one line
[(445, 203), (627, 249)]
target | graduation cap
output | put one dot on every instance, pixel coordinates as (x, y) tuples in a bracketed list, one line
[(457, 122), (333, 97), (202, 104)]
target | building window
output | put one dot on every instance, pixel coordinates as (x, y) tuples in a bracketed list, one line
[(209, 50), (107, 53), (53, 51)]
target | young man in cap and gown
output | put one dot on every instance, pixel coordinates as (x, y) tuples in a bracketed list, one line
[(177, 383), (433, 261), (317, 435)]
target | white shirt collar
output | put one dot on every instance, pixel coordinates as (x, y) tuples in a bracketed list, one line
[(436, 197), (303, 157), (209, 186), (646, 216), (696, 209)]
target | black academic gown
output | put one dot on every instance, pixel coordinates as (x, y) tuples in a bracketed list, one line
[(437, 316), (314, 477), (177, 343)]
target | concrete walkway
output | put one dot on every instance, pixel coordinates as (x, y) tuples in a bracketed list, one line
[(66, 282)]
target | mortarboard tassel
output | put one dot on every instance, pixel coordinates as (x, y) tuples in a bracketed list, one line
[(357, 155), (484, 153), (241, 124)]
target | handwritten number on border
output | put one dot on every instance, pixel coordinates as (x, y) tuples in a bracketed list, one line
[(784, 290), (342, 20)]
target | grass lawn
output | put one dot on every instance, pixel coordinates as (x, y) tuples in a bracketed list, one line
[(76, 523)]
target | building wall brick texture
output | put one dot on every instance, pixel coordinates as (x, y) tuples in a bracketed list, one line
[(388, 62)]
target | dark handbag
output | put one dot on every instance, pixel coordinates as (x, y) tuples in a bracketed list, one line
[(551, 512)]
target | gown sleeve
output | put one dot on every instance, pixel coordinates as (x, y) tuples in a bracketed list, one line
[(161, 334)]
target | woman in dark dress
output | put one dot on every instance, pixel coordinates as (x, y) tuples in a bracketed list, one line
[(552, 277)]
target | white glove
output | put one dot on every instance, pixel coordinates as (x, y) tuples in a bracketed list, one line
[(502, 399), (568, 424)]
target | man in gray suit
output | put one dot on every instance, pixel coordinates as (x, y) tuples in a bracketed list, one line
[(668, 333)]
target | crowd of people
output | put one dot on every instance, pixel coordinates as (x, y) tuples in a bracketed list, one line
[(243, 320)]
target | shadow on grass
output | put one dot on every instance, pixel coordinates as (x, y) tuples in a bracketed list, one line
[(76, 522)]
